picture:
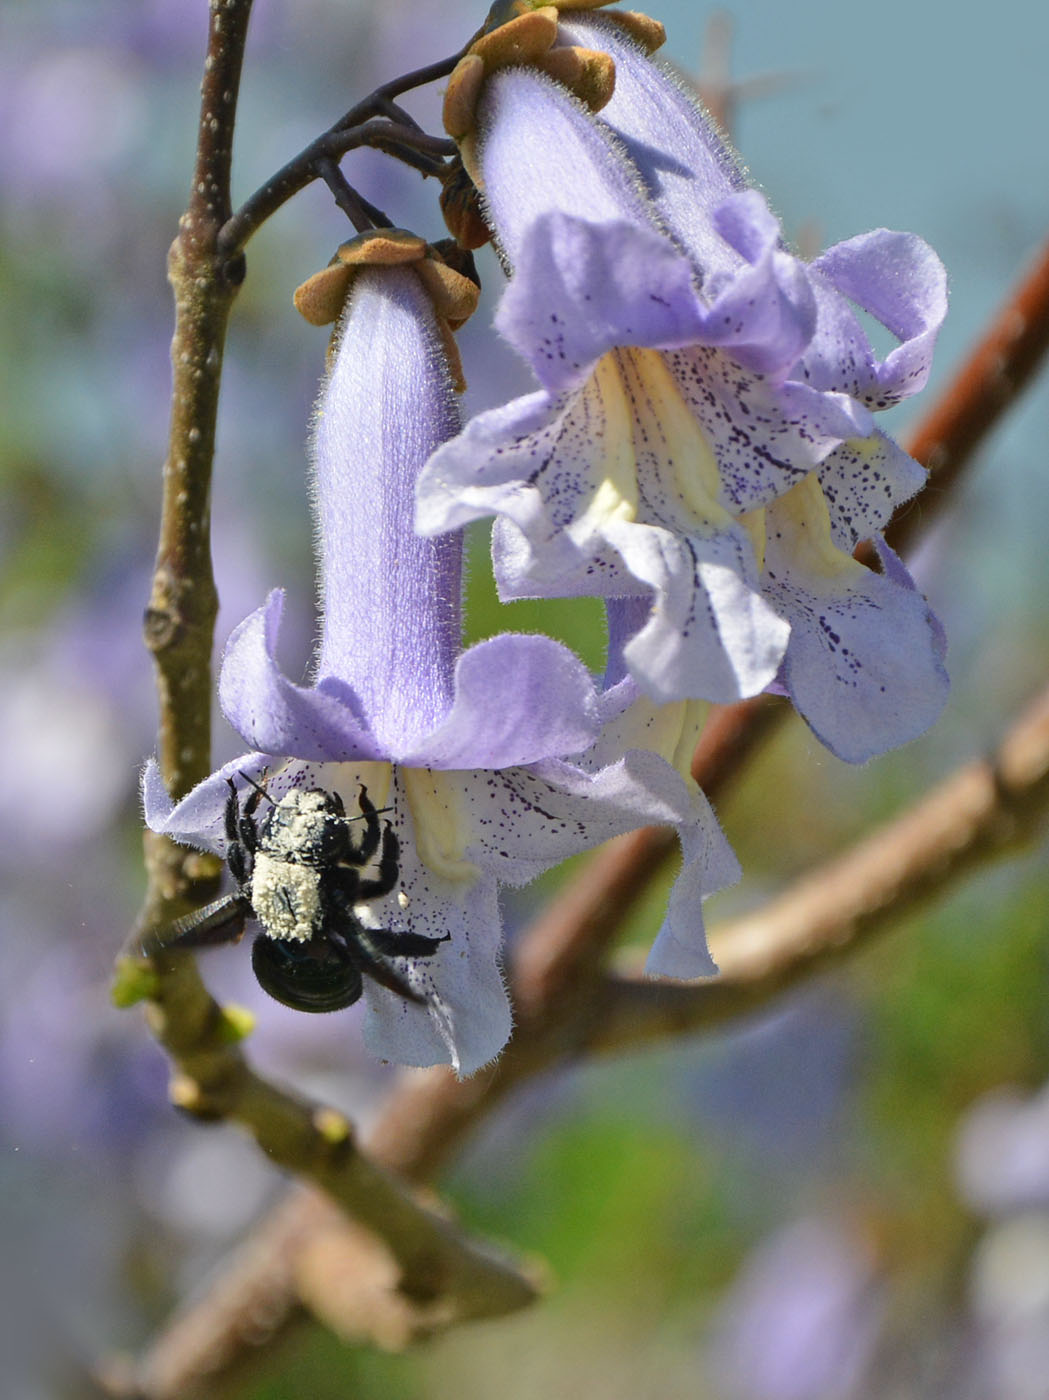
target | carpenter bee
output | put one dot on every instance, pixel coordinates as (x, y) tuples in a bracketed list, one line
[(298, 872)]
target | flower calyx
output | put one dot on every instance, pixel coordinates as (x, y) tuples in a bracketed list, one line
[(453, 290), (525, 37), (462, 208)]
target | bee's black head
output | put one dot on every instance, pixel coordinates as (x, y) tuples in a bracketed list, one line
[(306, 826)]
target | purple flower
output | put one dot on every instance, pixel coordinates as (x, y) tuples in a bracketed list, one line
[(467, 750), (802, 1319), (703, 434)]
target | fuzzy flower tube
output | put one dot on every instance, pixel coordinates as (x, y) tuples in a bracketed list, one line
[(492, 764), (703, 434)]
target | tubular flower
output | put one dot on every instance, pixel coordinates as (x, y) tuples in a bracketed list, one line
[(703, 434), (465, 750)]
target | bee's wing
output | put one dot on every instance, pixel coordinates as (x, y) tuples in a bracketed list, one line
[(221, 921)]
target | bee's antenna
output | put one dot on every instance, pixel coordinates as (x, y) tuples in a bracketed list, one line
[(257, 786)]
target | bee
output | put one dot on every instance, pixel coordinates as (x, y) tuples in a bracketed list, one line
[(299, 872)]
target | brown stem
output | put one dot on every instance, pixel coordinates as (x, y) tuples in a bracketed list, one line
[(987, 809), (991, 377), (426, 153), (179, 621)]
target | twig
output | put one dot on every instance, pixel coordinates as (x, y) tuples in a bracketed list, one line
[(359, 212), (416, 1271), (990, 379), (984, 811), (180, 617), (426, 153)]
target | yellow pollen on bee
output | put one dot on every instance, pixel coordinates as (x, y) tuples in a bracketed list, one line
[(285, 897)]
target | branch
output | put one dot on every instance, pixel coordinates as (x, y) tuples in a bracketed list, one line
[(986, 810), (376, 121), (991, 378), (415, 1272), (180, 617)]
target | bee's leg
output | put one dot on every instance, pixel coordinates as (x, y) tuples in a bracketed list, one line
[(384, 942), (372, 834), (381, 972), (389, 868), (242, 839)]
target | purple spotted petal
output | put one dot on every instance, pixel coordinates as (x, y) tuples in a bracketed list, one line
[(764, 437), (274, 715), (864, 480), (523, 816), (583, 288), (537, 463), (864, 665), (465, 1020), (709, 632)]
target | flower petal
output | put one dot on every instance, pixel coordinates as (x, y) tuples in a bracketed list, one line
[(708, 864), (198, 818), (710, 632), (271, 713), (685, 165), (699, 403), (582, 288), (708, 861), (899, 279), (391, 601), (540, 150), (863, 481), (864, 665), (526, 819), (466, 1018), (517, 699)]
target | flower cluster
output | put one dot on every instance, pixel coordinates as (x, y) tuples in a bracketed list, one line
[(703, 435), (701, 454)]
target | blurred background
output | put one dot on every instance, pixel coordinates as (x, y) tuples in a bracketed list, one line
[(848, 1197)]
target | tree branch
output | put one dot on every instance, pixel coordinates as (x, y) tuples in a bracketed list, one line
[(986, 810)]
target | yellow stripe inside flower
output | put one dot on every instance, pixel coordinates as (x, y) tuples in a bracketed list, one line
[(442, 831), (670, 446), (800, 521), (612, 466)]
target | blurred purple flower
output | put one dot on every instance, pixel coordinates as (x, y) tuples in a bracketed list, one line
[(1002, 1157), (703, 435), (802, 1318), (1009, 1296), (466, 749)]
